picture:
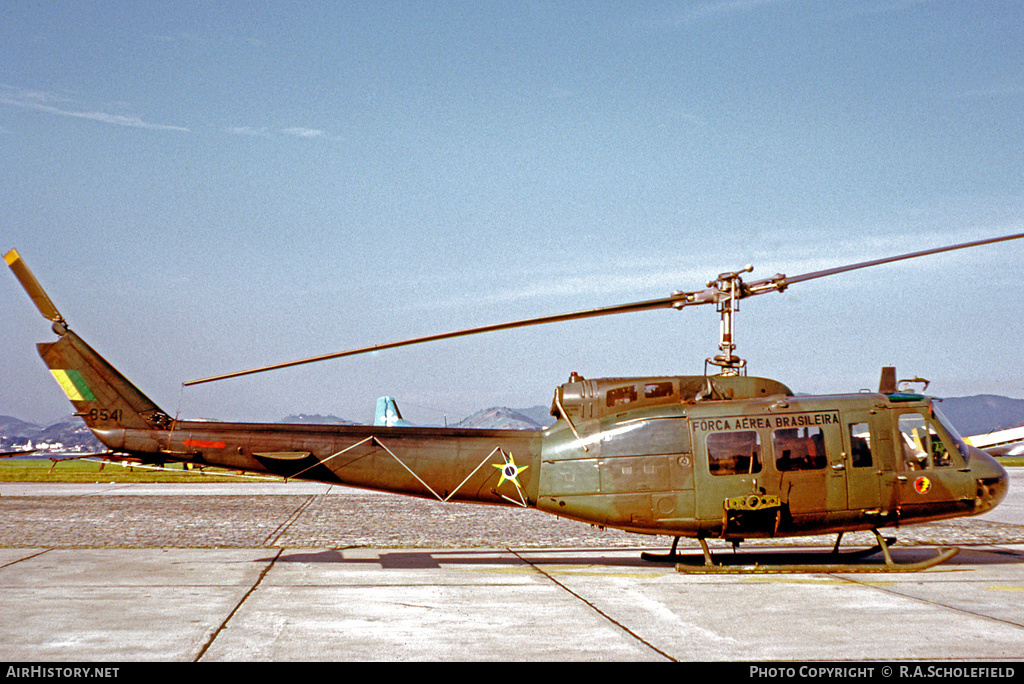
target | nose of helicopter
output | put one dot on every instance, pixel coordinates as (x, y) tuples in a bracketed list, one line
[(991, 479)]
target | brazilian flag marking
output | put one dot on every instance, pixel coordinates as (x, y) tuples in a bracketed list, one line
[(74, 385)]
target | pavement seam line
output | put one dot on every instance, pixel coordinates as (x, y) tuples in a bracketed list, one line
[(21, 560), (894, 590), (224, 624), (594, 608), (283, 527)]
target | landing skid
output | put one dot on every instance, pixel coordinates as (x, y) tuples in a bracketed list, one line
[(695, 565), (670, 557)]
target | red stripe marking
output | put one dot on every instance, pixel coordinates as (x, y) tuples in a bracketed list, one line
[(203, 443)]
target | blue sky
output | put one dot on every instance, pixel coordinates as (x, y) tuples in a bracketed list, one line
[(207, 187)]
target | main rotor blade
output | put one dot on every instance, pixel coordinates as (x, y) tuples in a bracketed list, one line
[(676, 300), (783, 281), (32, 286)]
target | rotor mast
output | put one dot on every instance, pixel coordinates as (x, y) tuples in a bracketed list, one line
[(729, 290)]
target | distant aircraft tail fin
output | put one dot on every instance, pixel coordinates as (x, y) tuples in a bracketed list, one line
[(388, 414), (104, 398)]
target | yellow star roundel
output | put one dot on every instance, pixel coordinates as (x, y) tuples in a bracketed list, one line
[(509, 471)]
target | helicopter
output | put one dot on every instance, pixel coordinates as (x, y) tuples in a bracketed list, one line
[(721, 455)]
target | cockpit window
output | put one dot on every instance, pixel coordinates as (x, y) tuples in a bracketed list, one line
[(925, 444), (961, 445)]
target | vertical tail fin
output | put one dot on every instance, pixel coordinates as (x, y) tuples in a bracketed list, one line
[(103, 397), (388, 414)]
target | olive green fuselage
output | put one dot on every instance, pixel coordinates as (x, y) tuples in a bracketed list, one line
[(762, 467), (729, 457)]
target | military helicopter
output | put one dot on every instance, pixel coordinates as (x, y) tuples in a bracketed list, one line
[(712, 456)]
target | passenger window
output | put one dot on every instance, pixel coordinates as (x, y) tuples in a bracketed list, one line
[(657, 390), (860, 445), (734, 453), (621, 395), (799, 449)]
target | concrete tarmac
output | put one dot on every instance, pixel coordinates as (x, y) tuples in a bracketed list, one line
[(300, 572)]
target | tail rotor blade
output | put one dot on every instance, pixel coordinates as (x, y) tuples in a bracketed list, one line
[(32, 287)]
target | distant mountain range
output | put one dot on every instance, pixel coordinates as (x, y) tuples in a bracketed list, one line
[(509, 419), (975, 415), (983, 413), (68, 436)]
